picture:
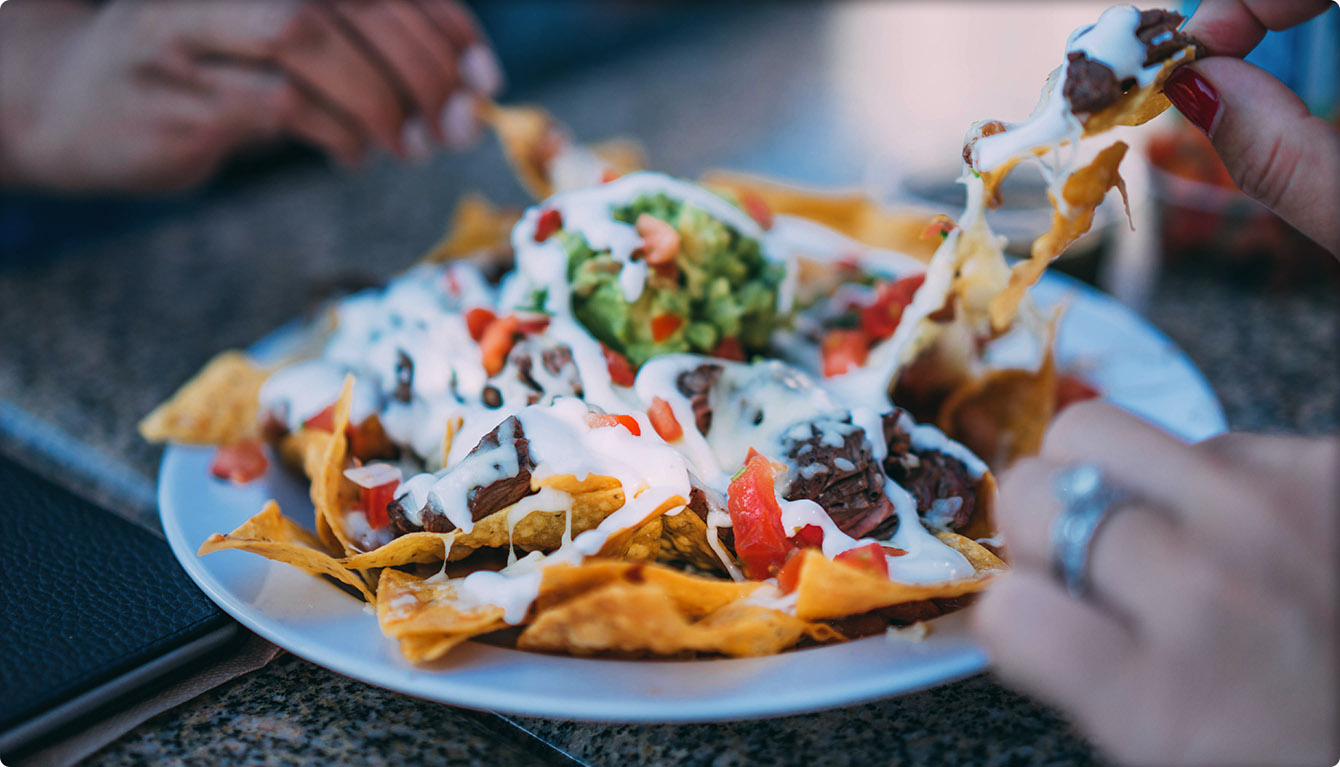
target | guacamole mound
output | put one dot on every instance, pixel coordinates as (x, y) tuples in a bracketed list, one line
[(719, 289)]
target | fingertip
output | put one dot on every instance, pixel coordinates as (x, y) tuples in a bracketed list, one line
[(481, 70), (1274, 148), (459, 121)]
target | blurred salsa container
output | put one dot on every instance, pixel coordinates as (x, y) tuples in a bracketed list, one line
[(1207, 222)]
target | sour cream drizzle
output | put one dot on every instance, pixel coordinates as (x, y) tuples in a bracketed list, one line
[(1112, 41), (420, 314)]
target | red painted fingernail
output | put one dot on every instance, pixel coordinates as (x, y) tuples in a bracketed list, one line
[(1194, 97)]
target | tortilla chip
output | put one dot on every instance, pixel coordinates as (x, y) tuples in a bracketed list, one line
[(304, 449), (1142, 104), (331, 491), (852, 214), (1083, 192), (641, 539), (476, 225), (216, 407), (684, 537), (982, 524), (449, 438), (274, 536), (542, 530), (1002, 414), (530, 138), (979, 556), (623, 156), (829, 589), (692, 595), (423, 614), (422, 547), (622, 617)]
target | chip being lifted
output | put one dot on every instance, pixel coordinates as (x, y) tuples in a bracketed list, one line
[(683, 422)]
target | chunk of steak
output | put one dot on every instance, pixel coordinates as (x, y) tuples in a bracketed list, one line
[(504, 492), (703, 499), (945, 492), (831, 464), (1158, 31), (482, 501), (555, 376), (696, 384), (1090, 85)]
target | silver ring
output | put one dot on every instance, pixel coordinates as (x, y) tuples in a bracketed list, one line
[(1086, 501)]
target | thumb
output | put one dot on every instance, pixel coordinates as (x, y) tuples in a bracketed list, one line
[(1274, 149)]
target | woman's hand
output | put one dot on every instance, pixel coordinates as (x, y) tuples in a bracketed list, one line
[(1274, 149), (1210, 636), (146, 95)]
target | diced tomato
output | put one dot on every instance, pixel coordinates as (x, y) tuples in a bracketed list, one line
[(529, 323), (809, 536), (757, 209), (940, 226), (729, 349), (453, 284), (550, 221), (496, 343), (660, 240), (325, 420), (664, 325), (621, 372), (377, 483), (239, 462), (894, 551), (477, 321), (756, 519), (788, 578), (869, 557), (881, 317), (663, 420), (1070, 389), (374, 501), (844, 350), (849, 262), (608, 174), (603, 420)]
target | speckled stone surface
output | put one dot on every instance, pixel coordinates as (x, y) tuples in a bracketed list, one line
[(93, 336), (294, 713)]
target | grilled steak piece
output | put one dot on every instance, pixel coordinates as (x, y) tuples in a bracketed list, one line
[(404, 377), (1091, 85), (702, 500), (831, 464), (1158, 31), (944, 490), (697, 385), (504, 492), (482, 501), (557, 375)]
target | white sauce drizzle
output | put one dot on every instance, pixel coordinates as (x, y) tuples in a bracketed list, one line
[(1112, 41), (754, 405)]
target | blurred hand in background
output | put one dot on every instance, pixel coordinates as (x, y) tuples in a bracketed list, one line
[(142, 95)]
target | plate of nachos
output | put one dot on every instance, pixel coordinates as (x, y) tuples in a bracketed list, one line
[(665, 450)]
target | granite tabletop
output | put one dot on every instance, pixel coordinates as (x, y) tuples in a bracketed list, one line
[(94, 333)]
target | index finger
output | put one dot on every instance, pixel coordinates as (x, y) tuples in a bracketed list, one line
[(1235, 27)]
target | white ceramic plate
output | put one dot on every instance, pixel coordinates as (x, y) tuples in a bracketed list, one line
[(1135, 365)]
